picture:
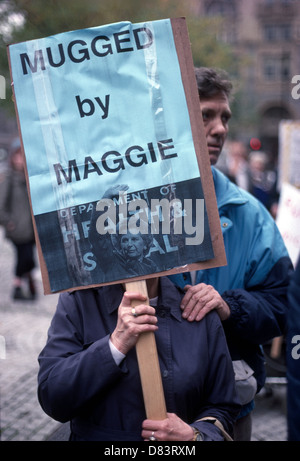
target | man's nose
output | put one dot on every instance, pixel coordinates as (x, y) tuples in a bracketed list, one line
[(218, 128)]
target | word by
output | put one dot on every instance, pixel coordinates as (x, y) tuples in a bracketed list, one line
[(87, 107), (296, 349), (112, 161), (79, 50), (162, 216), (296, 89)]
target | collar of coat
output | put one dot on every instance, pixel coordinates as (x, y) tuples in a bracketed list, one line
[(227, 193)]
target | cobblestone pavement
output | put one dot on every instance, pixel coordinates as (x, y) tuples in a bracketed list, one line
[(23, 331), (269, 415)]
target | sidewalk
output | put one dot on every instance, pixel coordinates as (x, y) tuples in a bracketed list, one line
[(23, 326)]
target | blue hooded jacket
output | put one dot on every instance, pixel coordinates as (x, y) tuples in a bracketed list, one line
[(255, 280)]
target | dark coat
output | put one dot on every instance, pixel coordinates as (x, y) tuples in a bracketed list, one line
[(293, 358), (15, 214), (79, 380)]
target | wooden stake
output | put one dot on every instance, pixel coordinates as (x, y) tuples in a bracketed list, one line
[(148, 364)]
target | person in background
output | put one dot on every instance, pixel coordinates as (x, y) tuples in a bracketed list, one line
[(263, 181), (293, 358), (250, 292), (235, 164), (89, 371), (15, 216)]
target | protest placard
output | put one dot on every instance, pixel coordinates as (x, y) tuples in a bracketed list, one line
[(117, 166), (112, 133), (288, 215), (289, 158), (288, 219)]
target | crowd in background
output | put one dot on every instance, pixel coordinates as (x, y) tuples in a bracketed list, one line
[(253, 171)]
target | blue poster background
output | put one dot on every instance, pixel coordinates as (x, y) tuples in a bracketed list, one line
[(99, 107)]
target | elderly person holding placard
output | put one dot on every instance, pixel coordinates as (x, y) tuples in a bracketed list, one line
[(89, 372)]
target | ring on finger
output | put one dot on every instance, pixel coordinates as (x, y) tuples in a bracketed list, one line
[(152, 438), (133, 312)]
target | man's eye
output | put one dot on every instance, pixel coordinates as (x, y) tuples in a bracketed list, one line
[(205, 116), (226, 118)]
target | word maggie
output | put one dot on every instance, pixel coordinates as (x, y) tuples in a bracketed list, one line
[(113, 161)]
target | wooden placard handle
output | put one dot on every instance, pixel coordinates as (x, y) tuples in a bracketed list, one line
[(148, 364)]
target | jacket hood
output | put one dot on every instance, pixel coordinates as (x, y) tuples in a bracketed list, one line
[(227, 192)]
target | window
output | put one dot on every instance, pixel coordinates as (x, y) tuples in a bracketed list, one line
[(220, 8), (276, 68), (269, 32), (277, 32)]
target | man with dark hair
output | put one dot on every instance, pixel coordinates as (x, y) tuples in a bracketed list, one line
[(214, 91), (250, 293), (210, 82)]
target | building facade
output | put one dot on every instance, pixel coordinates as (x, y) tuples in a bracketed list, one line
[(265, 37)]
